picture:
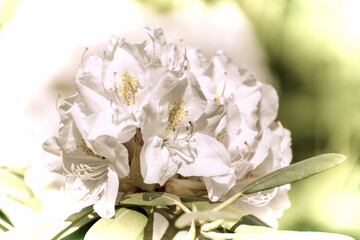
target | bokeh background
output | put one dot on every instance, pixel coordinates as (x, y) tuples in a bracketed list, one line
[(309, 50)]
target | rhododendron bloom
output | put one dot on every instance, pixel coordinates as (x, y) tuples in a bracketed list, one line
[(151, 113)]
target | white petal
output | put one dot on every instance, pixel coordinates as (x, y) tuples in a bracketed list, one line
[(153, 119), (197, 61), (122, 61), (187, 89), (52, 162), (114, 152), (212, 158), (269, 105), (104, 123), (89, 85), (156, 165), (262, 150), (121, 161), (208, 122), (219, 185), (105, 206), (51, 145)]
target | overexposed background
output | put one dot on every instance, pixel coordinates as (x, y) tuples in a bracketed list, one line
[(309, 50)]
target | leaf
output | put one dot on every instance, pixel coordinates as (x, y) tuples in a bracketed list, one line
[(243, 216), (77, 221), (186, 218), (15, 188), (5, 223), (151, 199), (128, 224), (154, 199), (289, 174), (19, 171), (79, 234), (257, 232), (232, 215), (295, 172)]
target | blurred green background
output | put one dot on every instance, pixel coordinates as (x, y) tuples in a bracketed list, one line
[(313, 49)]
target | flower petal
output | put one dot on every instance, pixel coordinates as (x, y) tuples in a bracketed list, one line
[(105, 206), (269, 105), (212, 158), (219, 185), (156, 165)]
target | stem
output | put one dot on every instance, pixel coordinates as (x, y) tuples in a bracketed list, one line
[(183, 207), (228, 202), (170, 232), (149, 229)]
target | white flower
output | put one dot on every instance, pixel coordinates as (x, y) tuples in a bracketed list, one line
[(171, 143), (90, 178), (113, 90), (183, 115), (257, 145), (276, 153)]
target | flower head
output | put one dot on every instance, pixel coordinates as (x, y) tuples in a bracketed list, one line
[(161, 116)]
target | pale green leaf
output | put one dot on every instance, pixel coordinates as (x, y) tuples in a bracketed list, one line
[(242, 217), (77, 221), (256, 233), (15, 188), (19, 171), (289, 174), (185, 219), (151, 199), (79, 233), (295, 172), (127, 224)]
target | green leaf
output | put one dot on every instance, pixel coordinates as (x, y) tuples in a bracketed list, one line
[(128, 224), (243, 216), (19, 171), (185, 219), (151, 199), (5, 223), (295, 172), (15, 188), (289, 174), (80, 233), (257, 232), (77, 222), (232, 215)]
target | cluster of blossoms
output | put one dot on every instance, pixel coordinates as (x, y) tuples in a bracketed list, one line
[(155, 117)]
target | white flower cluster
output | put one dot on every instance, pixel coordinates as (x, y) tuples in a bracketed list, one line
[(151, 113)]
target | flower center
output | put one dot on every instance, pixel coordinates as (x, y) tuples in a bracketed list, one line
[(176, 114), (87, 172), (82, 146), (127, 87)]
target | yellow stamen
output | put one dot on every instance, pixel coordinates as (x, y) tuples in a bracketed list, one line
[(83, 147), (176, 114), (127, 87)]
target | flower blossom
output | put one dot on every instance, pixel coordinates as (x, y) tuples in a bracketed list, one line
[(256, 143), (179, 115), (91, 171)]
